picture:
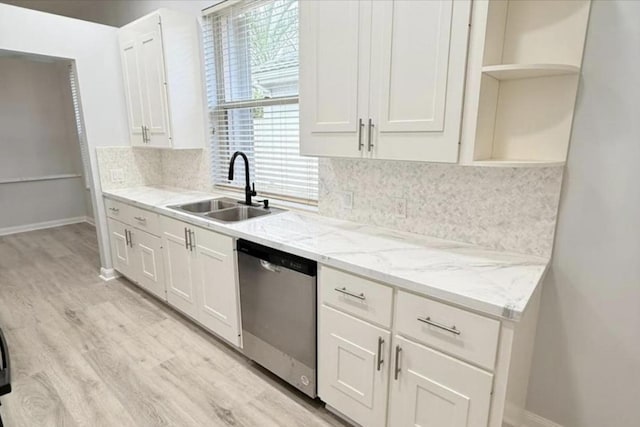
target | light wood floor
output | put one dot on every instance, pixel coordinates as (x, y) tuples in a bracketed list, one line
[(89, 353)]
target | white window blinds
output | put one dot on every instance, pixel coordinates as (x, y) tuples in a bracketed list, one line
[(251, 62), (75, 97)]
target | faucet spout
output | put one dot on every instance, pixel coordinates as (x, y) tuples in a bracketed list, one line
[(248, 189)]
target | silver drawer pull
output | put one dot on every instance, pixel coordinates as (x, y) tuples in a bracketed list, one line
[(428, 321), (140, 218), (380, 359), (114, 209), (397, 369), (344, 290)]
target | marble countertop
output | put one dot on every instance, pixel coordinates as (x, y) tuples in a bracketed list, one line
[(491, 282)]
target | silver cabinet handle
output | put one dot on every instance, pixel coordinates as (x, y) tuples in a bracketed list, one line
[(140, 218), (397, 368), (129, 240), (114, 209), (186, 238), (380, 360), (370, 136), (126, 237), (360, 126), (192, 236), (428, 321), (146, 133), (344, 290)]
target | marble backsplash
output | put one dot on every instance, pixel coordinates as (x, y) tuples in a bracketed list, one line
[(136, 166), (512, 209)]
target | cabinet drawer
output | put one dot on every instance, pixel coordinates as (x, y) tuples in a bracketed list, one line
[(116, 210), (144, 220), (355, 295), (452, 330)]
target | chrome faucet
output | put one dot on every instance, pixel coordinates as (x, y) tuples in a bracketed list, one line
[(249, 190)]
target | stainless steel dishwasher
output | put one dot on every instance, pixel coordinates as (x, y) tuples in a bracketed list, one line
[(278, 302)]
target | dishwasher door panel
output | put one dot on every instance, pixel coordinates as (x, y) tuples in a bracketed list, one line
[(279, 320)]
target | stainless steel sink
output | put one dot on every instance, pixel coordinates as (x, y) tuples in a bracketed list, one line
[(225, 210), (206, 206), (240, 213)]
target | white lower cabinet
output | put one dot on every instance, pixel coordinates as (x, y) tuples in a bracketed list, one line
[(191, 268), (218, 293), (147, 259), (201, 277), (121, 252), (179, 262), (377, 381), (431, 389), (353, 366), (137, 255)]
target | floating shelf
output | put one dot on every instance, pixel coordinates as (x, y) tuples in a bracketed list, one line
[(518, 163), (528, 71)]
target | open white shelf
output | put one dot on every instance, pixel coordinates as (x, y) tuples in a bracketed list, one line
[(528, 71), (522, 78)]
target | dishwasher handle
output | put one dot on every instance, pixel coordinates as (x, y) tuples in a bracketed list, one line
[(270, 267)]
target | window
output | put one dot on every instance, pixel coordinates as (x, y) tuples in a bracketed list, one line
[(251, 63)]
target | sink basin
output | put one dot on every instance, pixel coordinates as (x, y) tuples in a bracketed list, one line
[(208, 205), (225, 210), (238, 213)]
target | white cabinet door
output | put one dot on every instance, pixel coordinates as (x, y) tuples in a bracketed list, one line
[(121, 251), (145, 83), (215, 278), (417, 78), (148, 263), (334, 67), (153, 82), (431, 389), (133, 95), (353, 366), (179, 258)]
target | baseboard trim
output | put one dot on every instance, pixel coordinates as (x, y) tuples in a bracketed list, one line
[(41, 225), (535, 420), (89, 220), (108, 274)]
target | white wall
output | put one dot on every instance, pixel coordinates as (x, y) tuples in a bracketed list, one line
[(38, 134), (586, 370), (38, 138), (94, 49)]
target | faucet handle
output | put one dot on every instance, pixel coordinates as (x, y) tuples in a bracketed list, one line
[(253, 189)]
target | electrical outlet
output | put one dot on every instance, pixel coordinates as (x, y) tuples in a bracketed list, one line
[(117, 175), (347, 200), (400, 207)]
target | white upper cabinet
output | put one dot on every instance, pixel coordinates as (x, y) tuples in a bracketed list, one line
[(383, 79), (334, 83), (163, 80)]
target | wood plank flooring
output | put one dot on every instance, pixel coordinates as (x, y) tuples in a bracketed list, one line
[(89, 353)]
